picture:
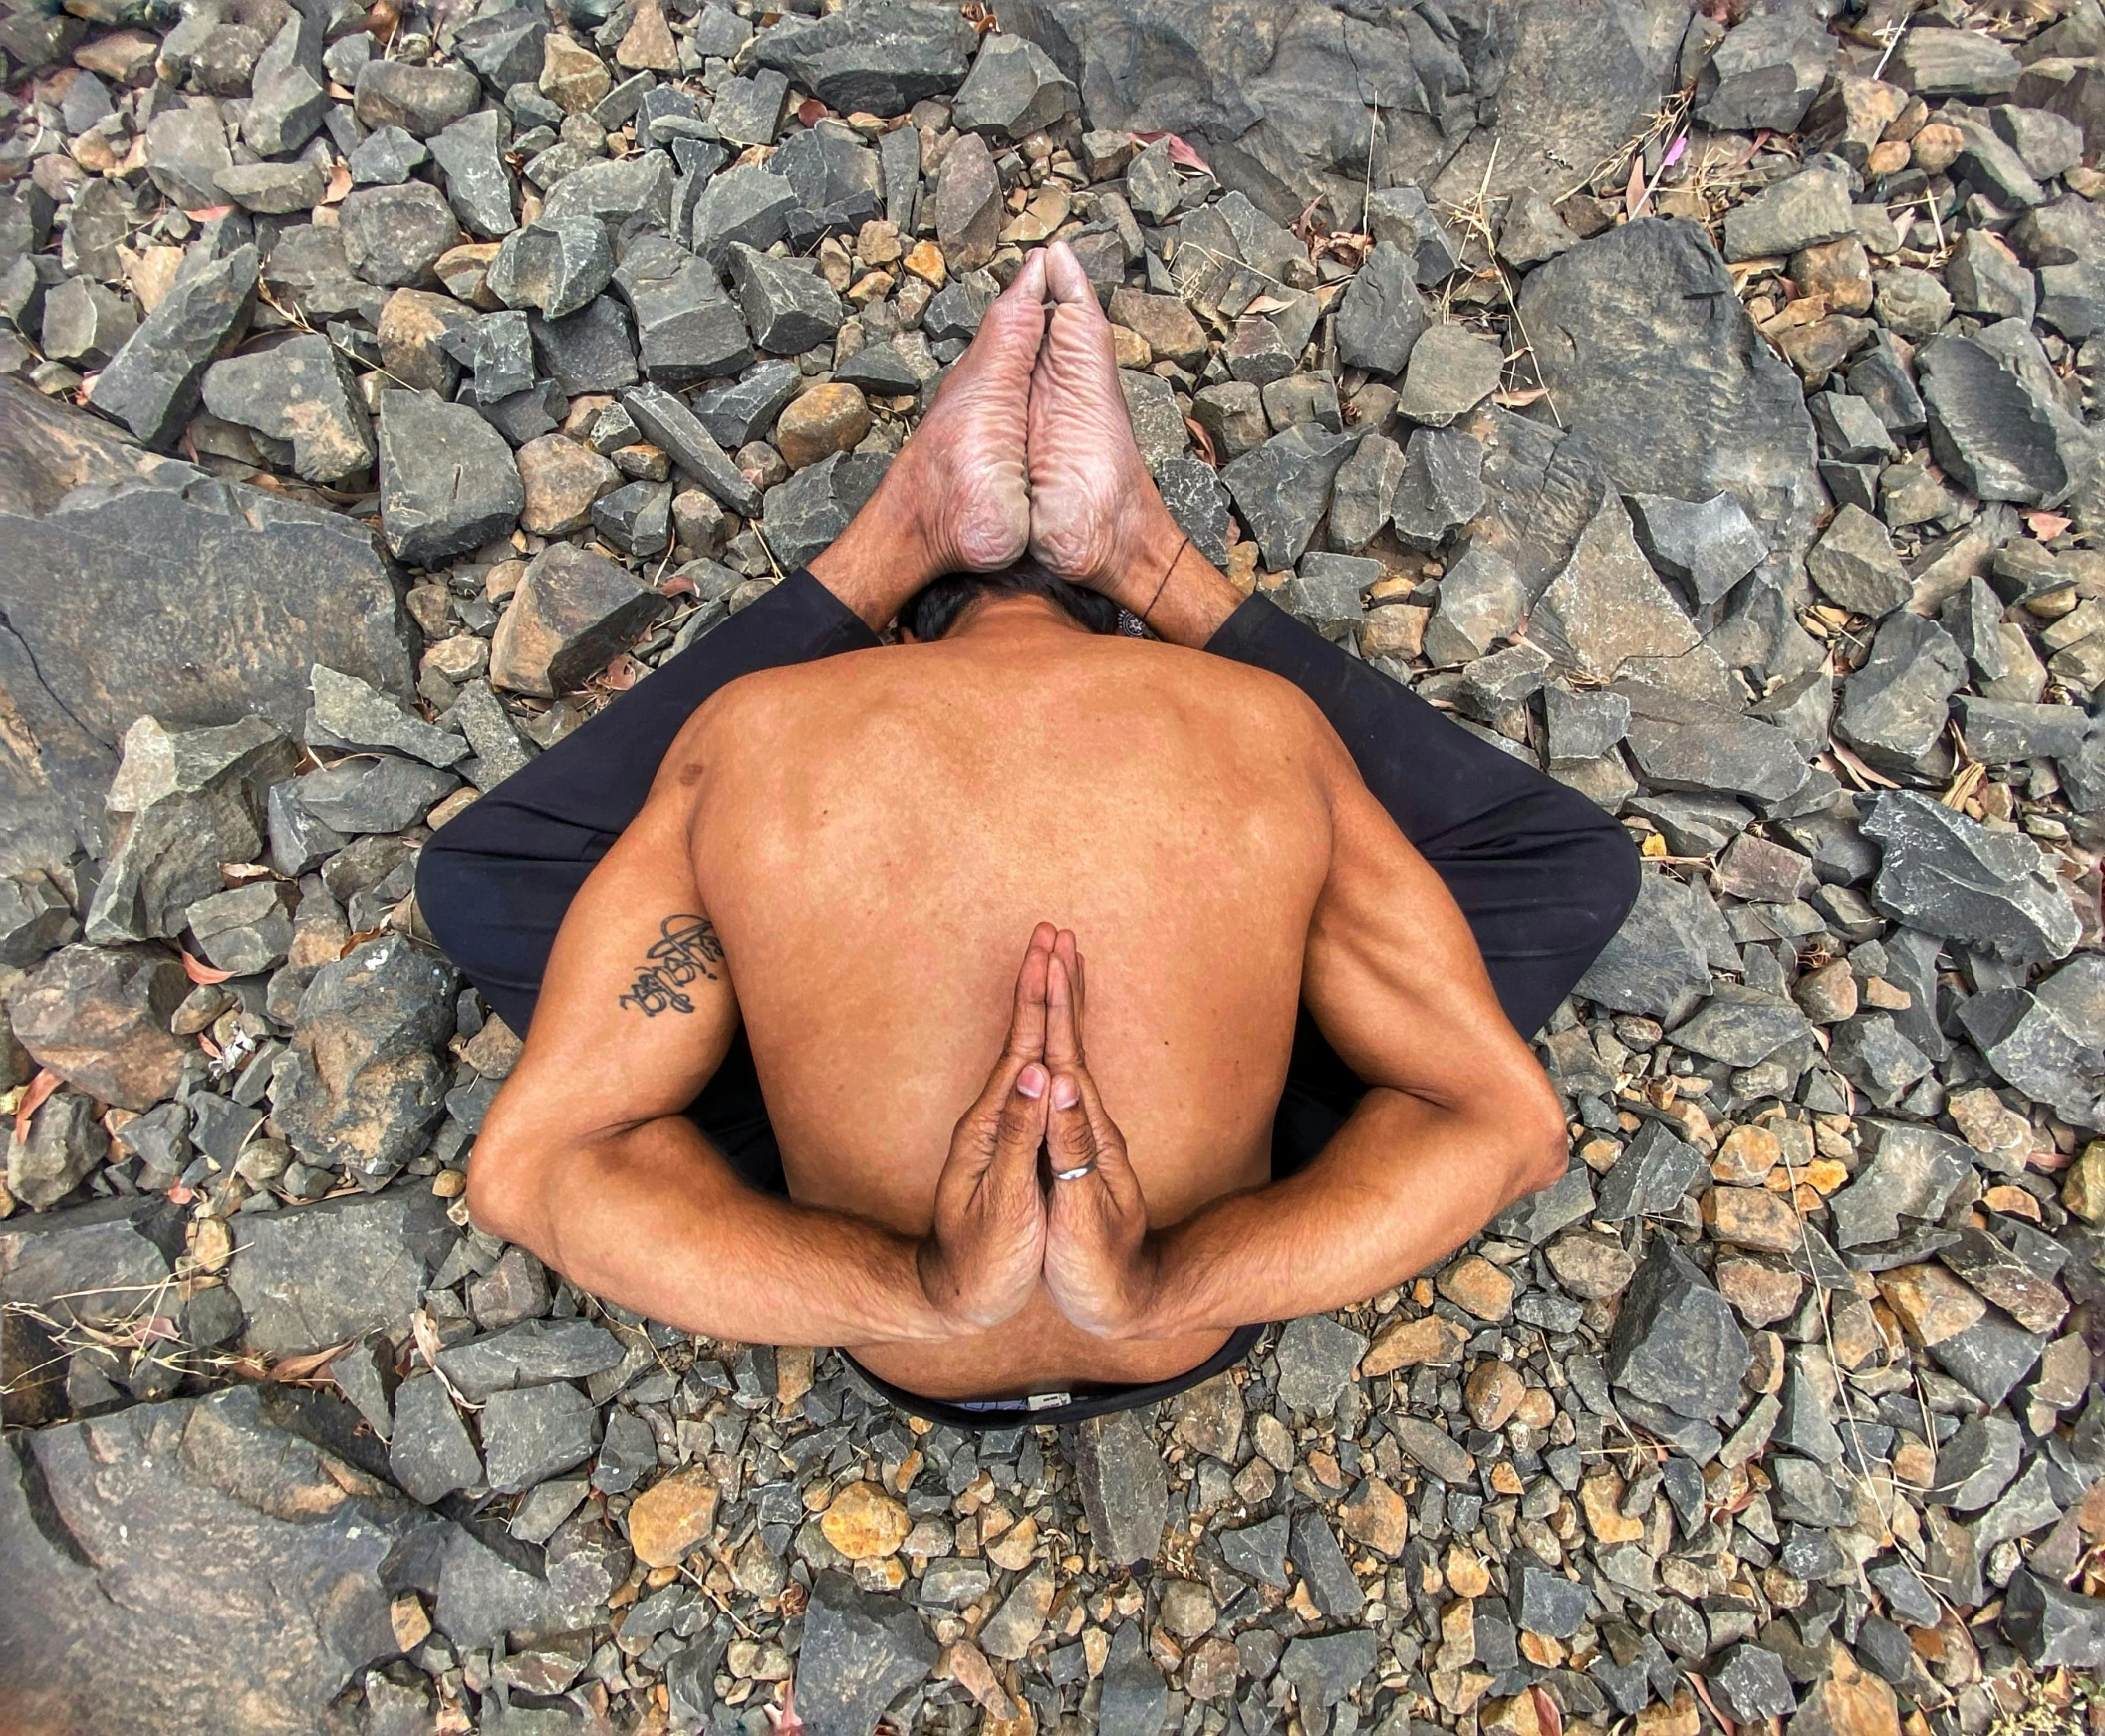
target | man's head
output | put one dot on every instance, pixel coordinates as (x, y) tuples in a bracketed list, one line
[(936, 608)]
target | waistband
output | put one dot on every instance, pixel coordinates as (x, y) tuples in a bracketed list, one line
[(1056, 1408)]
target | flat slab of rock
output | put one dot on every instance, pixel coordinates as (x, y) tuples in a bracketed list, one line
[(195, 562), (1647, 351), (318, 1275)]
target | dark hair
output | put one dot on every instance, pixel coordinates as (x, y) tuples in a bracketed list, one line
[(934, 610)]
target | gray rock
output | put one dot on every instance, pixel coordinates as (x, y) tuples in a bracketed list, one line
[(1606, 614), (205, 1543), (98, 1017), (666, 421), (1685, 744), (615, 192), (181, 805), (1452, 369), (533, 1353), (1317, 1357), (1990, 425), (1532, 230), (1014, 89), (1430, 1446), (1709, 547), (153, 384), (1381, 314), (318, 1275), (1544, 1601), (429, 1453), (246, 930), (1120, 1477), (748, 207), (352, 713), (470, 154), (1441, 486), (382, 792), (1995, 168), (1810, 206), (1651, 1178), (396, 234), (687, 330), (421, 99), (386, 158), (1977, 1463), (1366, 482), (1656, 963), (85, 323), (1676, 1343), (1482, 601), (1542, 1214), (532, 1433), (2032, 1049), (1742, 1027), (1764, 72), (1952, 63), (186, 150), (59, 1147), (1135, 1694), (35, 918), (359, 1086), (1283, 488), (1907, 1596), (1331, 1582), (1951, 876), (1259, 1551), (2001, 732), (553, 266), (748, 111), (448, 481), (301, 391), (1638, 336), (882, 57), (806, 513), (1913, 1172), (746, 409), (1894, 708), (1986, 279), (1854, 563), (788, 309), (860, 1652), (1872, 1054), (504, 47), (1327, 589), (2051, 1625), (1990, 1356), (1327, 1669)]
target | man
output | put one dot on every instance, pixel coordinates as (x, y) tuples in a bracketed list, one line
[(1300, 1082)]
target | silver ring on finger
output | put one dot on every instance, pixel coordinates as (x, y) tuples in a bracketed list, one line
[(1073, 1175)]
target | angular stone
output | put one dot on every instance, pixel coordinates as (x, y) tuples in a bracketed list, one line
[(1953, 63), (397, 234), (1810, 206), (1685, 744), (301, 391), (1709, 547), (1327, 1669), (1656, 963), (572, 613), (98, 1017), (470, 154), (153, 384), (746, 206), (1452, 369), (56, 1149), (1124, 1493), (687, 329), (1442, 485), (1429, 1446), (359, 1086), (1951, 876), (1855, 565), (1331, 1582), (246, 930), (553, 266), (1366, 484), (1676, 1343), (318, 1275), (1283, 488), (1014, 89), (1381, 315), (1991, 425), (562, 479), (882, 57), (806, 513), (1545, 1602), (673, 426), (1895, 707), (968, 204), (532, 1433), (1317, 1355), (428, 1450), (789, 310), (448, 481), (2053, 1625), (1606, 613), (1913, 1171), (530, 1354), (421, 99)]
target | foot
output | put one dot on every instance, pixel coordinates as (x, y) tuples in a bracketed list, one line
[(1095, 515), (966, 464), (957, 498)]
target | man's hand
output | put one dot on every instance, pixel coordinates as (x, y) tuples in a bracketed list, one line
[(1099, 1265), (983, 1256)]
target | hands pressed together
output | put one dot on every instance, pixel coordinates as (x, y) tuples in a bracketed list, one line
[(1037, 1185)]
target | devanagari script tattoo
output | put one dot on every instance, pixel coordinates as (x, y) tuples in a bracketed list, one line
[(686, 953)]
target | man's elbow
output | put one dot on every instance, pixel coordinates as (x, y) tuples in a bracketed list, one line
[(505, 1194), (1540, 1143)]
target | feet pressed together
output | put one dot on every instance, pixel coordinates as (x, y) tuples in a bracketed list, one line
[(1027, 448)]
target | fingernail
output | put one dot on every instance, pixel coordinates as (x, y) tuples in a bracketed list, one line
[(1066, 1094), (1031, 1082)]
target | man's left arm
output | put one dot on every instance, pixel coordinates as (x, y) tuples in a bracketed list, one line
[(1459, 1119)]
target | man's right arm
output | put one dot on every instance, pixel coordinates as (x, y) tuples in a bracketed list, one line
[(586, 1159)]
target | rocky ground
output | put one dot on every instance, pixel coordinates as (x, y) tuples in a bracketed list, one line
[(1697, 405)]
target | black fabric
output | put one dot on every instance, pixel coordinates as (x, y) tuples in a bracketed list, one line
[(1542, 874)]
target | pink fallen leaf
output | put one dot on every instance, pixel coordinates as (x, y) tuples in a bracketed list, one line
[(1634, 194), (1180, 154), (210, 213), (199, 972), (1676, 151), (40, 1088), (2048, 525)]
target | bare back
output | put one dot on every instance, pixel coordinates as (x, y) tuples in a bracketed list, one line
[(877, 836)]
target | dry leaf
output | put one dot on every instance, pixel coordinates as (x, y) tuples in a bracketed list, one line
[(203, 973), (1180, 154), (1205, 442), (1634, 194), (1268, 304), (1702, 1693), (210, 213), (40, 1088), (1547, 1714), (305, 1366), (1864, 777), (339, 184), (2048, 525), (622, 674), (1520, 397), (811, 111)]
